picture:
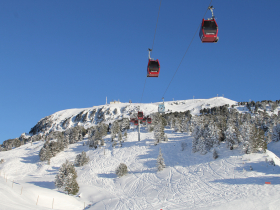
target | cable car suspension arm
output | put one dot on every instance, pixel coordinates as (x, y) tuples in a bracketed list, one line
[(211, 8)]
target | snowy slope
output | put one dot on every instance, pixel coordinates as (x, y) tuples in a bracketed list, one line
[(190, 181)]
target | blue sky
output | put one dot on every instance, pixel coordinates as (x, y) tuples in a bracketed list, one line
[(57, 55)]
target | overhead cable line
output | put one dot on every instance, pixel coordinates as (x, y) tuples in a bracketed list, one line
[(152, 48), (185, 52), (156, 27)]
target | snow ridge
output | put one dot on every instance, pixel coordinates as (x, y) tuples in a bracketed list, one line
[(88, 117)]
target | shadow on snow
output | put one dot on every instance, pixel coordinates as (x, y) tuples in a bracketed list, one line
[(45, 184)]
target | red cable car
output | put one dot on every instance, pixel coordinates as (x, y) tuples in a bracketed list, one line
[(153, 67), (140, 115), (144, 119), (135, 122), (149, 120), (209, 29)]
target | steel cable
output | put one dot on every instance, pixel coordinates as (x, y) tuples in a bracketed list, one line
[(185, 52), (152, 48)]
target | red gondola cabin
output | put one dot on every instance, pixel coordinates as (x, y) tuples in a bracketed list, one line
[(153, 68), (149, 120), (209, 31), (135, 122), (140, 115)]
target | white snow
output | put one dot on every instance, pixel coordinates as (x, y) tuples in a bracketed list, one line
[(190, 180)]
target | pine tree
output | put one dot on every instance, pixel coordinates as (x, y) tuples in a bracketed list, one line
[(103, 128), (178, 125), (115, 129), (121, 170), (258, 140), (125, 135), (246, 133), (66, 178), (276, 133), (202, 145), (91, 141), (172, 121), (97, 138), (159, 131), (215, 154), (196, 135), (45, 152), (102, 142), (48, 154), (160, 161), (114, 143), (120, 136), (81, 159), (230, 137)]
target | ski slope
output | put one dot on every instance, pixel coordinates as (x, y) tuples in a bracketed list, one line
[(190, 181)]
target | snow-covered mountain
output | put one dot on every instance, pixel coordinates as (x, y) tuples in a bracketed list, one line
[(88, 117), (190, 180)]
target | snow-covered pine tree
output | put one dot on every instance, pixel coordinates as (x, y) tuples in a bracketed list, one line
[(66, 140), (160, 161), (178, 125), (121, 170), (215, 154), (246, 131), (60, 144), (165, 138), (81, 159), (196, 135), (258, 140), (276, 133), (102, 142), (120, 137), (171, 121), (230, 136), (48, 154), (115, 129), (159, 131), (114, 143), (97, 138), (66, 178), (91, 141), (45, 152), (125, 135), (103, 129), (124, 125), (202, 145)]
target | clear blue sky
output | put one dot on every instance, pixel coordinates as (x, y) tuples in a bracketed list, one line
[(57, 55)]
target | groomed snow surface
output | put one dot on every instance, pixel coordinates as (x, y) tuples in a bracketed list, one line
[(190, 181)]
